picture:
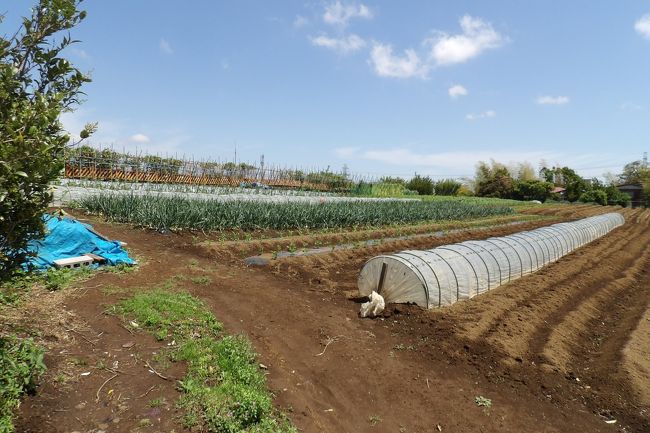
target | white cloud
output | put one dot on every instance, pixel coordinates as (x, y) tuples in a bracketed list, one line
[(140, 138), (484, 115), (115, 133), (552, 100), (165, 47), (457, 91), (346, 152), (477, 36), (338, 13), (80, 53), (225, 64), (460, 162), (386, 64), (642, 26), (630, 106), (300, 22), (343, 45)]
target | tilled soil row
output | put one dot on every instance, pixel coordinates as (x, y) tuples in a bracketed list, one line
[(338, 270), (575, 318), (560, 331)]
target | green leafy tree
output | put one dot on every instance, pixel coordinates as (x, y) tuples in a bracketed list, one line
[(532, 190), (567, 178), (634, 172), (422, 184), (493, 180), (616, 197), (36, 85)]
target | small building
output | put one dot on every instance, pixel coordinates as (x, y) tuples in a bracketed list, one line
[(560, 192), (634, 190)]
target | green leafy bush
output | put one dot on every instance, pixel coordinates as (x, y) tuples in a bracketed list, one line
[(448, 187), (422, 184), (594, 196), (532, 190), (36, 86), (616, 197), (21, 364)]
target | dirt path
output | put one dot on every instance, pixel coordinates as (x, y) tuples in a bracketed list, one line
[(333, 372)]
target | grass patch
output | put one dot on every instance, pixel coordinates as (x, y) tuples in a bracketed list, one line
[(223, 391), (202, 280), (53, 279), (21, 364)]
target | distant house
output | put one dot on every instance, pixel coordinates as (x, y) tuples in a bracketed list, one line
[(634, 190), (559, 191)]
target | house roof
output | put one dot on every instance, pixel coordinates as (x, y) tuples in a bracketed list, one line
[(630, 186), (558, 189)]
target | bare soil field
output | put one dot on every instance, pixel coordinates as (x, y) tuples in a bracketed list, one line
[(565, 349)]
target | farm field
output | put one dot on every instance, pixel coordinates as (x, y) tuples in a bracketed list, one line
[(68, 191), (563, 349)]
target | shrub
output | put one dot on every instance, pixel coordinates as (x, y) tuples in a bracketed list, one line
[(616, 197), (532, 190), (36, 86), (422, 184), (447, 187), (594, 196)]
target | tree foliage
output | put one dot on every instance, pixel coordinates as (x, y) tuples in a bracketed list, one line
[(422, 184), (493, 180), (532, 190), (567, 178), (36, 85), (594, 196)]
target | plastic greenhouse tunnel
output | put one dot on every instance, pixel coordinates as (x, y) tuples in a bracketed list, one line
[(450, 273)]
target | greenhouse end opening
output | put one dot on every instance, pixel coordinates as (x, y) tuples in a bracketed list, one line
[(450, 273)]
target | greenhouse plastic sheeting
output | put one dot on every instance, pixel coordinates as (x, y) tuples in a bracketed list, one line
[(66, 238), (449, 273)]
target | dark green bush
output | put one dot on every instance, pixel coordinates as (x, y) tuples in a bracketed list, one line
[(532, 190), (594, 196), (422, 184), (36, 86)]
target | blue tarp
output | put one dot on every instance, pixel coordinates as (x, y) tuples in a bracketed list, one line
[(66, 238)]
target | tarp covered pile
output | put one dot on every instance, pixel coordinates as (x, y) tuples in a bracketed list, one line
[(66, 238)]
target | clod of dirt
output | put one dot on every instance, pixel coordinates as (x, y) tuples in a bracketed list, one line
[(354, 296)]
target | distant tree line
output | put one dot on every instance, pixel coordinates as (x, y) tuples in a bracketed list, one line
[(497, 180)]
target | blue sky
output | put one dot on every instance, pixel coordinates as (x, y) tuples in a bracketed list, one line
[(385, 87)]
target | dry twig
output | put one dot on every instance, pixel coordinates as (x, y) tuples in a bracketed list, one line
[(330, 340), (154, 371), (105, 382)]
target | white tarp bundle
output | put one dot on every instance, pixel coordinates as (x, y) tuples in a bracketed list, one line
[(447, 274)]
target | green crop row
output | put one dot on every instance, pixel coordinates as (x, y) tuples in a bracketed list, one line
[(160, 212)]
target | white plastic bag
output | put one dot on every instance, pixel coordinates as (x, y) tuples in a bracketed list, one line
[(374, 307)]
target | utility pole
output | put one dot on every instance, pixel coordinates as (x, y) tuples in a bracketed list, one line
[(645, 159)]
